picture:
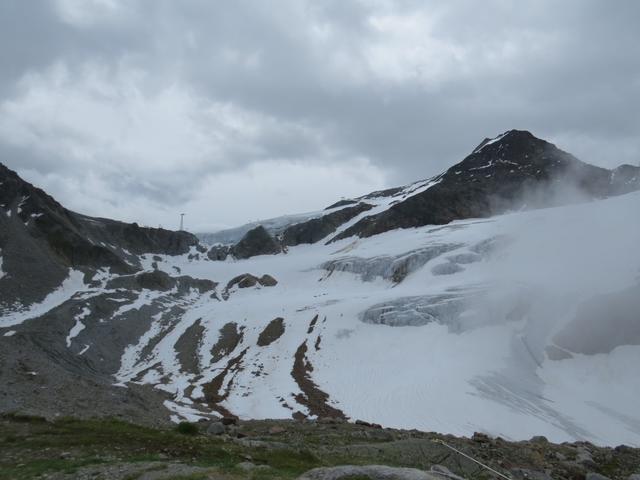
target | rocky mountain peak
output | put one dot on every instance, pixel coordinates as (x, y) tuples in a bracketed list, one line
[(511, 171), (518, 137), (518, 147)]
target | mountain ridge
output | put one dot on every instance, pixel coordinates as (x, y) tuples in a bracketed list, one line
[(511, 171), (473, 321)]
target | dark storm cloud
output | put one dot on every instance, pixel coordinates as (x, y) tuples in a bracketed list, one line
[(401, 89)]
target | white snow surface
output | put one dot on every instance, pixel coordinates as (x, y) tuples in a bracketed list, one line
[(69, 287)]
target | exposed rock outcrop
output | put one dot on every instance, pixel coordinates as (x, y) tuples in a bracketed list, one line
[(219, 252), (272, 332), (246, 280), (256, 242), (160, 281), (316, 229)]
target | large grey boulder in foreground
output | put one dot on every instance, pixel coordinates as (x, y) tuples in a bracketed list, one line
[(374, 472)]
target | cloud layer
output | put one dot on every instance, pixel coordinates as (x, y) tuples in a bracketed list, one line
[(231, 112)]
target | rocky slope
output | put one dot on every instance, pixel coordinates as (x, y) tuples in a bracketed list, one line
[(490, 324)]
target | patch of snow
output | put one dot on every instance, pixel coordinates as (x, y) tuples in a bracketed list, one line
[(78, 326), (22, 202), (70, 286), (10, 333), (493, 140), (183, 413)]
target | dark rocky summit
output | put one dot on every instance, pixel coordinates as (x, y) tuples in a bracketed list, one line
[(515, 170)]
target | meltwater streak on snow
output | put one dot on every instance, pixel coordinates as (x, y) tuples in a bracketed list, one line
[(70, 286)]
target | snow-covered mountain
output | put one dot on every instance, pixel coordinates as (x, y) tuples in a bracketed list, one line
[(501, 296)]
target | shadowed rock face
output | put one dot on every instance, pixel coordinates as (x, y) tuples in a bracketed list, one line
[(256, 242), (514, 171), (316, 229), (219, 252), (229, 338), (187, 347), (246, 280), (272, 332), (161, 281)]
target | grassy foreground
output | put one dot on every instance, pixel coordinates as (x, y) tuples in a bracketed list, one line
[(31, 447)]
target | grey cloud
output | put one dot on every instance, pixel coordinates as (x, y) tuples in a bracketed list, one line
[(567, 71)]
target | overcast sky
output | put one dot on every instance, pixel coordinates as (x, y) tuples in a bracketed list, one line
[(239, 110)]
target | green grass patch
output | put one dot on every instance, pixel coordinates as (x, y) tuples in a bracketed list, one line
[(187, 428)]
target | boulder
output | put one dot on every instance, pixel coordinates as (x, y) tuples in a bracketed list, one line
[(271, 332), (256, 242), (216, 428), (596, 476), (373, 472), (267, 281)]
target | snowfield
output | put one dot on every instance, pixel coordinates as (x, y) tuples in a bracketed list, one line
[(476, 361)]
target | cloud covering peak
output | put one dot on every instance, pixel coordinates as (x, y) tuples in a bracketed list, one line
[(140, 110)]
